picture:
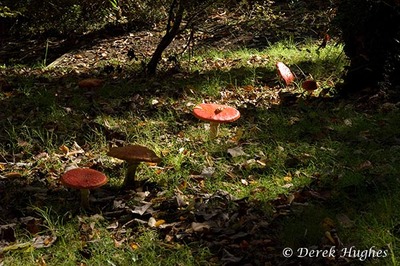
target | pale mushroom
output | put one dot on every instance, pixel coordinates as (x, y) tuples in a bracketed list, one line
[(133, 155)]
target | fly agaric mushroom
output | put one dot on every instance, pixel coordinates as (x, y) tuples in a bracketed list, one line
[(133, 155), (285, 73), (309, 86), (83, 179), (215, 114)]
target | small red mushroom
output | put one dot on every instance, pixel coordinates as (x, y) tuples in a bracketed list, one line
[(83, 179), (215, 114), (285, 73), (90, 83), (309, 86)]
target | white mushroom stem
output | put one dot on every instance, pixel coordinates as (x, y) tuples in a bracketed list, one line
[(85, 198), (129, 181), (214, 128)]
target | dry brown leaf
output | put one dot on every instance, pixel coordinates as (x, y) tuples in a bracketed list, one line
[(44, 241), (64, 149), (236, 151), (365, 165), (118, 243), (290, 198), (200, 227), (248, 88), (13, 175), (329, 237)]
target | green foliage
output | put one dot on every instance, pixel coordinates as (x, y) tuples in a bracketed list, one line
[(6, 12), (73, 16)]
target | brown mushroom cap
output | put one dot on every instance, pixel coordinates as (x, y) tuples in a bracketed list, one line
[(90, 83), (216, 113), (134, 153), (83, 178), (309, 85)]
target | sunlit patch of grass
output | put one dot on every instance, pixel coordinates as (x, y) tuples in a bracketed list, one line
[(253, 67)]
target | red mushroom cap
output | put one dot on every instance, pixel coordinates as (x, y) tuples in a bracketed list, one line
[(309, 85), (216, 113), (83, 178), (285, 73)]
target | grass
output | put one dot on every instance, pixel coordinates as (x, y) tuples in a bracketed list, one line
[(344, 154)]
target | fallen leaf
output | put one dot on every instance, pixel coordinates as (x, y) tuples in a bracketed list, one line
[(236, 151), (229, 258), (7, 233), (200, 227), (64, 149), (288, 185), (43, 241), (142, 209), (32, 224), (365, 165), (12, 175), (22, 143), (290, 198), (208, 172), (329, 237), (348, 122)]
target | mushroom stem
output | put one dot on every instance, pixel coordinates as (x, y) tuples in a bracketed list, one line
[(129, 181), (214, 128), (85, 198)]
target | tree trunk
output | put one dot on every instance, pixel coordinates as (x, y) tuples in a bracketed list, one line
[(171, 32)]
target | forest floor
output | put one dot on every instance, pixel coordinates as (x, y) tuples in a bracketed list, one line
[(306, 172)]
